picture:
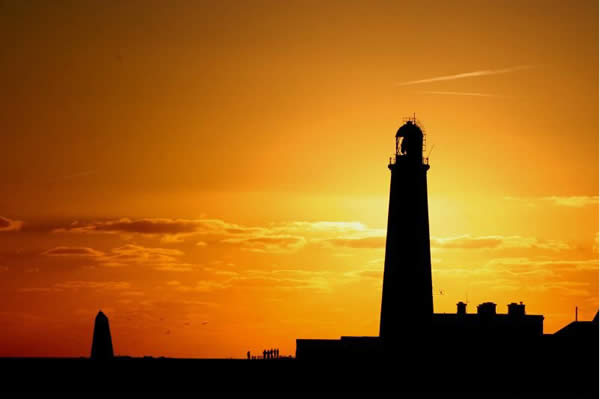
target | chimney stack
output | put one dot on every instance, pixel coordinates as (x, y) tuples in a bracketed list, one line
[(515, 309), (486, 309)]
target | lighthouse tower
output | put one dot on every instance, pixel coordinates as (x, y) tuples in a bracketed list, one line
[(407, 301)]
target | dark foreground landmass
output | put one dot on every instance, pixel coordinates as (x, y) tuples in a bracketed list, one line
[(435, 374)]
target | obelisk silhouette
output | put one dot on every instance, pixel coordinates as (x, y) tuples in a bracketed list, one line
[(101, 342)]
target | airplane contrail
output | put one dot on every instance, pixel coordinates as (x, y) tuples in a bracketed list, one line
[(460, 93), (485, 72)]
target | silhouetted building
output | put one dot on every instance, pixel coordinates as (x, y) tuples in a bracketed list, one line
[(408, 325), (101, 342), (407, 296), (486, 322), (580, 329), (445, 328), (345, 347)]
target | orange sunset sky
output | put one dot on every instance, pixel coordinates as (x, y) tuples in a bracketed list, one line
[(213, 175)]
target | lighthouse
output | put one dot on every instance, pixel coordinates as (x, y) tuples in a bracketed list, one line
[(407, 300), (408, 329)]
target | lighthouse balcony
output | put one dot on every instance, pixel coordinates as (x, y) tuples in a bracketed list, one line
[(403, 158)]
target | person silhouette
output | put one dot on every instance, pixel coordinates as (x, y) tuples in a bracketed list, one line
[(264, 354), (248, 355), (277, 353)]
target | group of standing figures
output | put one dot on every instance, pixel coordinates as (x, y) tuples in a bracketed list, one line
[(267, 354)]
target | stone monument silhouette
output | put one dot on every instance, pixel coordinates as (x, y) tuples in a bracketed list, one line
[(101, 342)]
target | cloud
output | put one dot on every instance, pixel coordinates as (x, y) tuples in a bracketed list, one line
[(163, 259), (208, 286), (560, 276), (274, 238), (567, 288), (164, 226), (174, 267), (566, 201), (552, 275), (140, 226), (291, 279), (168, 230), (268, 244), (270, 281), (73, 251), (548, 264), (365, 238), (94, 285), (366, 274), (141, 254), (459, 242), (282, 279), (173, 229), (133, 293), (200, 286), (287, 237), (324, 226), (496, 242), (374, 242), (220, 272), (81, 285), (486, 72), (467, 242), (574, 201), (9, 224)]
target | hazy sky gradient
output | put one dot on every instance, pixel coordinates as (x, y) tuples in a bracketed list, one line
[(213, 175)]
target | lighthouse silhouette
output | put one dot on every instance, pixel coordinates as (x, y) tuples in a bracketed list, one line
[(101, 342), (407, 300)]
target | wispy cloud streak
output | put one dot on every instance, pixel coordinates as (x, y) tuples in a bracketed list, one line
[(486, 72), (459, 93), (576, 201)]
